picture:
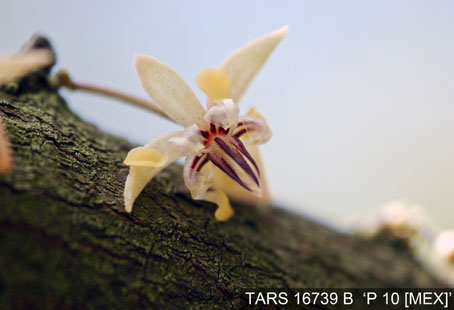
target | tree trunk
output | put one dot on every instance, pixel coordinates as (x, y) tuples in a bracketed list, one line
[(66, 241)]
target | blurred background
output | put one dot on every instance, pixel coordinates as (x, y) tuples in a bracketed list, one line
[(360, 95)]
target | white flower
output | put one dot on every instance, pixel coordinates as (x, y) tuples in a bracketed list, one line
[(442, 258), (444, 246), (213, 139), (398, 218), (399, 215)]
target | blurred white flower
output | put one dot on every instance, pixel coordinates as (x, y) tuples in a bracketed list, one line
[(397, 218), (400, 216), (441, 257), (444, 246)]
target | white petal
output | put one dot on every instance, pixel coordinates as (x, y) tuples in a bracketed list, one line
[(145, 157), (444, 245), (139, 176), (198, 175), (253, 130), (244, 64), (224, 114), (190, 141), (169, 91), (23, 63), (398, 214)]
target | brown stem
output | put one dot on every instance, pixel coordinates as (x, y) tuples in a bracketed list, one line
[(63, 79)]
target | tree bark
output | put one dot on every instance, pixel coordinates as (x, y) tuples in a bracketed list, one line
[(66, 241)]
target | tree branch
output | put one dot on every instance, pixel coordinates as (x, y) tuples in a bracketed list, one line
[(66, 240)]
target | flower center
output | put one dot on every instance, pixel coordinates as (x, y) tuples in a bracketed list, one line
[(214, 132), (228, 153)]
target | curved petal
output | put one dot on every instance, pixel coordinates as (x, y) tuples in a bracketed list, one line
[(190, 141), (254, 112), (244, 64), (232, 157), (198, 175), (139, 176), (235, 191), (145, 157), (169, 91), (215, 83), (252, 130), (225, 183), (224, 211), (224, 114)]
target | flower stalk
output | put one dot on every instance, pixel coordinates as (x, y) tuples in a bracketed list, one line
[(62, 78)]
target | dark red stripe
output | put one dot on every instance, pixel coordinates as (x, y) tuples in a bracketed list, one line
[(221, 164), (224, 131), (213, 128), (237, 158), (240, 146), (204, 133), (195, 161), (202, 163), (240, 133)]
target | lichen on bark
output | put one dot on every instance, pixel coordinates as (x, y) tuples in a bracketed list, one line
[(66, 241)]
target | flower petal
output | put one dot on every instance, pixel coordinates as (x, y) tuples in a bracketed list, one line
[(244, 64), (224, 211), (145, 157), (252, 130), (139, 176), (444, 245), (215, 83), (233, 159), (198, 175), (169, 91), (190, 141), (254, 112), (224, 114), (24, 63), (235, 191)]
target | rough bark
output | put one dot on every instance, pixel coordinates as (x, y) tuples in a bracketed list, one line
[(66, 241)]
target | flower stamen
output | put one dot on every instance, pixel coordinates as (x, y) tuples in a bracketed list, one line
[(238, 159), (224, 166), (228, 153), (240, 146)]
